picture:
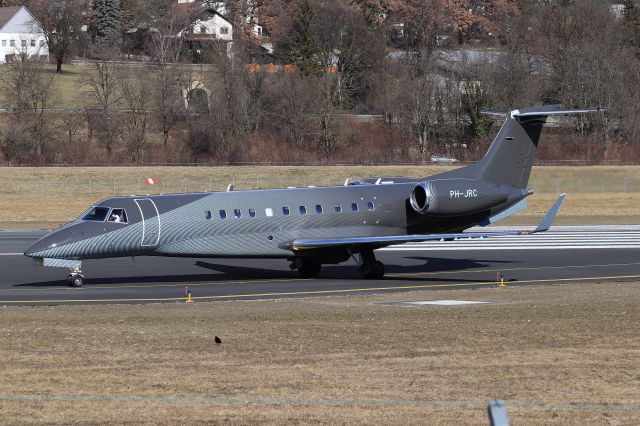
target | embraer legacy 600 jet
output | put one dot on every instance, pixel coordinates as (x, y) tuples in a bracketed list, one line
[(313, 226)]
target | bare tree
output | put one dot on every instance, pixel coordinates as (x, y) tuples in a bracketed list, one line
[(135, 121), (70, 125), (349, 47), (592, 64), (324, 91), (31, 89), (166, 98), (105, 84), (288, 109), (165, 39), (422, 106), (165, 44), (105, 88), (229, 102), (61, 21)]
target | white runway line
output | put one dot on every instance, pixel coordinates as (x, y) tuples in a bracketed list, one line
[(446, 302), (558, 238)]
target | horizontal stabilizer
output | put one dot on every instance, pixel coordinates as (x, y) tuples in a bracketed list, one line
[(518, 207), (496, 112), (540, 111)]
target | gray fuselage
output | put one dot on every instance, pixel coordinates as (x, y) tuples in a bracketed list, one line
[(261, 223)]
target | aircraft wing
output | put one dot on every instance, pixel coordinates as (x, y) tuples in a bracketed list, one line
[(386, 240)]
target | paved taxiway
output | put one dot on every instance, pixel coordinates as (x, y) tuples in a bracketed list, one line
[(564, 254)]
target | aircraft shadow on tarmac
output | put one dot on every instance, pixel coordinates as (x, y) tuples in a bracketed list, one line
[(227, 272)]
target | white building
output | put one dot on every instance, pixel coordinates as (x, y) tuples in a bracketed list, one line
[(249, 11), (20, 32), (203, 24)]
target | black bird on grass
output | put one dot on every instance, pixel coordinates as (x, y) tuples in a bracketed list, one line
[(218, 341)]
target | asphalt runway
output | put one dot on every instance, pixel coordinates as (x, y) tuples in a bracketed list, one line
[(562, 255)]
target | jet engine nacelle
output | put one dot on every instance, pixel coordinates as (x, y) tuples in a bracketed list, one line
[(456, 197)]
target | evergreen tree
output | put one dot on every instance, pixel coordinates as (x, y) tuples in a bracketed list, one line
[(304, 53), (109, 24)]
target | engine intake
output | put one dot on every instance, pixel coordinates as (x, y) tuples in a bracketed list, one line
[(421, 197)]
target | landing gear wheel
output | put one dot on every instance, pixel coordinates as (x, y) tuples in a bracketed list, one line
[(309, 268), (372, 271), (75, 280), (370, 268)]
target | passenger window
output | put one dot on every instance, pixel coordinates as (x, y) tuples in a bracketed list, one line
[(354, 207), (338, 208), (252, 212), (237, 213), (318, 208), (96, 214), (207, 215), (285, 211), (223, 214), (118, 216), (303, 210), (268, 211), (370, 206)]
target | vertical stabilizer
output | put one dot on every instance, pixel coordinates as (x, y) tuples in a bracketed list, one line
[(510, 157)]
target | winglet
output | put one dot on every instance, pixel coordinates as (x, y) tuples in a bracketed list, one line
[(551, 215)]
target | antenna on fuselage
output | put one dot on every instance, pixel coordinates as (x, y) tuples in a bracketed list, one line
[(346, 182), (230, 188)]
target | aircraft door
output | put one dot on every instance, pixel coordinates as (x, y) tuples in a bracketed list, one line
[(150, 222)]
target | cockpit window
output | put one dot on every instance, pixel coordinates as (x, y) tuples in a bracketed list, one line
[(119, 216), (96, 214)]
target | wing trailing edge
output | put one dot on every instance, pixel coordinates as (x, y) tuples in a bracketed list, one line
[(386, 240)]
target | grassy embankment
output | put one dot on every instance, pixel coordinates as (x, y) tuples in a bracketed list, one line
[(556, 354), (50, 196), (71, 88)]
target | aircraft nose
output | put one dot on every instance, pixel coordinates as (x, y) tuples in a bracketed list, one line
[(40, 247)]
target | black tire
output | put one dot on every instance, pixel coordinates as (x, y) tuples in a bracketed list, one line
[(76, 280), (372, 271), (309, 268)]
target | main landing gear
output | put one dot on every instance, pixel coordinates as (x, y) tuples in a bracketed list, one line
[(75, 279), (308, 267), (370, 268)]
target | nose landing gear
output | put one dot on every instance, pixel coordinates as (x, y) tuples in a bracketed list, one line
[(75, 279)]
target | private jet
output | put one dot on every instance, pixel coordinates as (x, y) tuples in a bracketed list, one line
[(314, 226)]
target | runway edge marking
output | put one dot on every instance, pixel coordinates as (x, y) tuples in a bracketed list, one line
[(316, 292)]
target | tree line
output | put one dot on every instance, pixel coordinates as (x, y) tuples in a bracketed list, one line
[(371, 81)]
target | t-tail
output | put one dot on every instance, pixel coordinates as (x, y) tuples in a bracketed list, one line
[(510, 157)]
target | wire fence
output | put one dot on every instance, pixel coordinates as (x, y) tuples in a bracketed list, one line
[(96, 186)]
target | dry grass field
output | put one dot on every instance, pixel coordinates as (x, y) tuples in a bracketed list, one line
[(558, 354), (43, 197)]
